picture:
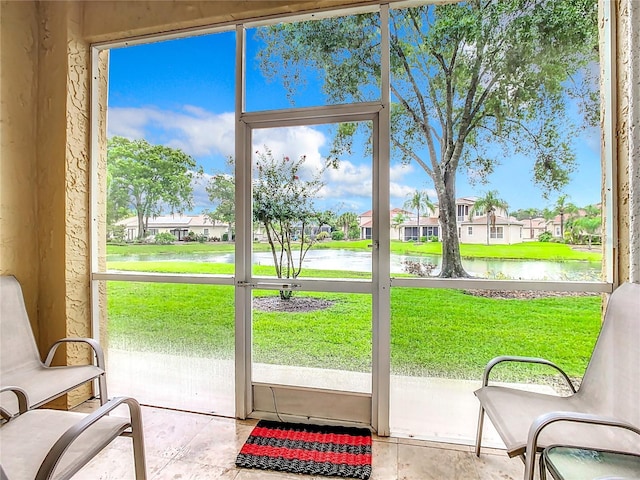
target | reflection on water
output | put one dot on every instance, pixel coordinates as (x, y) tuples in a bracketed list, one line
[(349, 260)]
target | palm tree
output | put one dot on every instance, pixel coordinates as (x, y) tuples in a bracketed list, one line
[(420, 201), (346, 220), (488, 205), (398, 220), (531, 213), (563, 207), (589, 224), (548, 215)]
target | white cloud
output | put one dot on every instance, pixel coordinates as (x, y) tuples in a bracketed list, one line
[(193, 130), (400, 170), (293, 142), (202, 134)]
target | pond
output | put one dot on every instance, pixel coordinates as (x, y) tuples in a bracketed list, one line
[(350, 260)]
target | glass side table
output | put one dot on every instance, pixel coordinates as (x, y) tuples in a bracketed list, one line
[(568, 463)]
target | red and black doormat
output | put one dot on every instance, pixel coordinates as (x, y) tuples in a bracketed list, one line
[(308, 449)]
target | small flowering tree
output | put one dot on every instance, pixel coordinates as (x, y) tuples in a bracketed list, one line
[(283, 205)]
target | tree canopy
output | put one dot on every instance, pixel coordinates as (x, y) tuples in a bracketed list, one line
[(472, 83), (222, 190), (150, 178)]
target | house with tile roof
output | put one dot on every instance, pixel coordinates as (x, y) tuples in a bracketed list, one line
[(504, 229), (177, 225)]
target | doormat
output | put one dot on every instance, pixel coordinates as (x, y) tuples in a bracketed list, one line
[(308, 449)]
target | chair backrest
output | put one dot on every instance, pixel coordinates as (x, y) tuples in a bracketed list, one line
[(18, 348), (611, 382)]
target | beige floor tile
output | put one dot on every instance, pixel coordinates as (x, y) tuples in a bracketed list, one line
[(444, 446), (384, 461), (499, 467), (117, 464), (178, 470), (167, 432), (186, 446), (217, 443), (424, 463)]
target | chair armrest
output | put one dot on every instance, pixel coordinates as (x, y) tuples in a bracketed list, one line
[(23, 401), (95, 346), (497, 360), (548, 418), (64, 442)]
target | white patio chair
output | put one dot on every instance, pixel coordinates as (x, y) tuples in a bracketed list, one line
[(20, 363), (604, 414), (54, 444)]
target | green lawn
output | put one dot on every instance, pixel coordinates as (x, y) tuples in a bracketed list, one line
[(520, 251), (434, 332)]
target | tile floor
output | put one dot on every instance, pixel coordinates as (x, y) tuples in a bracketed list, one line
[(189, 446)]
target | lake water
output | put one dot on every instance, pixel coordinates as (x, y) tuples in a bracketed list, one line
[(349, 260)]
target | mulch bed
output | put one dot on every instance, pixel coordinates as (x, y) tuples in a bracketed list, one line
[(294, 304), (524, 294)]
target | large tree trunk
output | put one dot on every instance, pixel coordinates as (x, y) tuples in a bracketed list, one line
[(451, 261), (141, 225)]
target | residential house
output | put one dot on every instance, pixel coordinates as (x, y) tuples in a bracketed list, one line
[(533, 227), (365, 222), (502, 230), (505, 229), (177, 225)]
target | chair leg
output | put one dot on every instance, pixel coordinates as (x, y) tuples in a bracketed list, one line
[(479, 433), (102, 386), (542, 468), (137, 437)]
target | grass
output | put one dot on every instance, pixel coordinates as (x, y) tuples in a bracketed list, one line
[(434, 332), (518, 251)]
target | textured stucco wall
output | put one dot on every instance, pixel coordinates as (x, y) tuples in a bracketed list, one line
[(627, 132), (63, 182), (633, 67), (18, 172)]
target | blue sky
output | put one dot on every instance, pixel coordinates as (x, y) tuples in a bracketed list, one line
[(180, 93)]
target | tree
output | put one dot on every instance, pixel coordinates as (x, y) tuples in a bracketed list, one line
[(548, 214), (530, 214), (563, 207), (222, 190), (398, 220), (587, 225), (151, 177), (117, 200), (420, 201), (466, 77), (283, 205), (346, 221), (488, 205)]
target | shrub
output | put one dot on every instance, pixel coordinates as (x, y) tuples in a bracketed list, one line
[(225, 237), (116, 233), (418, 268), (544, 237), (322, 236), (337, 235), (165, 238), (433, 238), (354, 232)]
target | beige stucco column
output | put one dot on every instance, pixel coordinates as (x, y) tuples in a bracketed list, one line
[(63, 181), (630, 131)]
